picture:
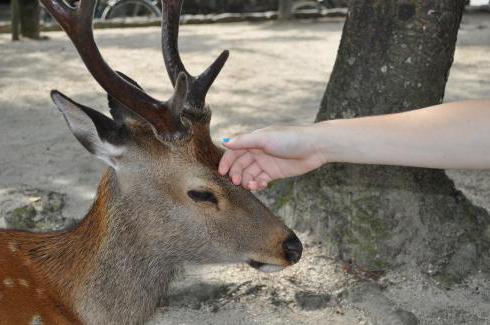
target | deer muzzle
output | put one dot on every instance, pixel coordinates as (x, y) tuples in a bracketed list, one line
[(292, 250)]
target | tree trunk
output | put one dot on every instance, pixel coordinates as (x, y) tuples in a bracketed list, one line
[(29, 18), (14, 9), (284, 11), (394, 56)]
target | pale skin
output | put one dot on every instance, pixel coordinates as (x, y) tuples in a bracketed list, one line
[(446, 136)]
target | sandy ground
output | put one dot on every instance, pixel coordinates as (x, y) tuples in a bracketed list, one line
[(276, 74)]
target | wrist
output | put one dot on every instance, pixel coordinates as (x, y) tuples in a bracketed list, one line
[(332, 141)]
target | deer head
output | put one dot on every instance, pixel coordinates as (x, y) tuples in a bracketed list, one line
[(163, 161)]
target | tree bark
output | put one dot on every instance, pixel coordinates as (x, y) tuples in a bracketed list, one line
[(284, 11), (29, 18), (394, 56), (14, 9)]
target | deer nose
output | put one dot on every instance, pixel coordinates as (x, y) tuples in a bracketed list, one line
[(292, 248)]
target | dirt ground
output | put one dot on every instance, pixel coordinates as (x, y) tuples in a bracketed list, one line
[(276, 74)]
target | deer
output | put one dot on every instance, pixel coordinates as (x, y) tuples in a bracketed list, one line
[(160, 204)]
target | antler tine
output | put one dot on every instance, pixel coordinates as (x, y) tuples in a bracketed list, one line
[(206, 79), (77, 23), (199, 86)]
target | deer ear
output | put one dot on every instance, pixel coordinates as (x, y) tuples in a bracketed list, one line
[(96, 132)]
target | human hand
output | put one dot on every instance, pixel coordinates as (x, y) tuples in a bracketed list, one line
[(255, 159)]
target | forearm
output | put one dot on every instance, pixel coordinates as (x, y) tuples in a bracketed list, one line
[(449, 136)]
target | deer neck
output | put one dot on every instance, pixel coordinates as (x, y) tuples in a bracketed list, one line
[(63, 259), (127, 280), (102, 267)]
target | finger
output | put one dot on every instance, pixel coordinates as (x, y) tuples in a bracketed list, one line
[(262, 186), (263, 180), (256, 186), (227, 160), (250, 173), (260, 182), (255, 140), (253, 186), (238, 166)]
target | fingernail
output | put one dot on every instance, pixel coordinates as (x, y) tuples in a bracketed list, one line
[(226, 140)]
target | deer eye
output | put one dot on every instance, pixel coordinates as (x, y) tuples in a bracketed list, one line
[(202, 196)]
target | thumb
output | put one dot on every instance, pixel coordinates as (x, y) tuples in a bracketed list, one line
[(254, 140)]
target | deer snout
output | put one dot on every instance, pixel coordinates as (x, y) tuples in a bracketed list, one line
[(285, 253), (292, 248)]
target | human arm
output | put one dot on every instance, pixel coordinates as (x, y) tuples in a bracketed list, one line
[(449, 136)]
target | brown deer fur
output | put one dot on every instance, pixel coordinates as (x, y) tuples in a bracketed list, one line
[(115, 266)]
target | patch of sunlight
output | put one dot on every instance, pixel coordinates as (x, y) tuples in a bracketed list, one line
[(61, 181), (84, 192), (479, 2)]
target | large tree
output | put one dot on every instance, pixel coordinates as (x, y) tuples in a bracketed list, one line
[(394, 56)]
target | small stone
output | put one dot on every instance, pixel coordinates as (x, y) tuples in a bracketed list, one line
[(384, 69), (407, 317), (312, 301), (32, 209), (339, 311), (22, 218)]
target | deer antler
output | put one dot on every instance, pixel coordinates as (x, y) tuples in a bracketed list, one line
[(77, 23), (198, 86)]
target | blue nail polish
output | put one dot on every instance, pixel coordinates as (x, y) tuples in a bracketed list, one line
[(226, 140)]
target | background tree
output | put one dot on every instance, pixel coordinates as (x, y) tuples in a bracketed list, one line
[(394, 56), (25, 17), (14, 9), (284, 11)]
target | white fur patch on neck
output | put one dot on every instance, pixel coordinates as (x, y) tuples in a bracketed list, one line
[(107, 152)]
